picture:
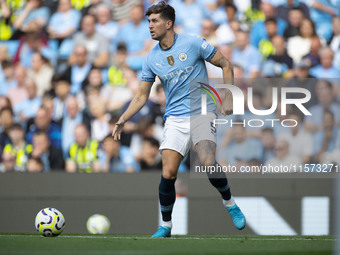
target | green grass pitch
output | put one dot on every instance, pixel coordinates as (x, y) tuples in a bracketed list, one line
[(142, 244)]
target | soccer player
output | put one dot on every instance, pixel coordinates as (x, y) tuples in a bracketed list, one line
[(177, 60)]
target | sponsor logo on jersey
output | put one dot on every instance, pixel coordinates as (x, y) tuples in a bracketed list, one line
[(171, 60), (182, 56), (204, 45)]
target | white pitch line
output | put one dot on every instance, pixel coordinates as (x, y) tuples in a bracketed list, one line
[(182, 238)]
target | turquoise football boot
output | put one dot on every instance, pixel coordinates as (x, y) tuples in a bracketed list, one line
[(237, 216), (162, 232)]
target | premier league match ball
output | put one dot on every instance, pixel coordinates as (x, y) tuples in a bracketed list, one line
[(98, 224), (49, 222)]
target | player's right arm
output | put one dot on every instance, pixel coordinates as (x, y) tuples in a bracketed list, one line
[(138, 101)]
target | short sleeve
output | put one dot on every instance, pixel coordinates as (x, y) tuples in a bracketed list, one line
[(147, 74), (206, 51)]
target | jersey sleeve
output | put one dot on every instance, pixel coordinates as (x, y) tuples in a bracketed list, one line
[(206, 51), (147, 74)]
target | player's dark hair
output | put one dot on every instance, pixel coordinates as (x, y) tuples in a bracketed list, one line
[(167, 11)]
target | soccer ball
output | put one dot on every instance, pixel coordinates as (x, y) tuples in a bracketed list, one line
[(98, 224), (49, 222)]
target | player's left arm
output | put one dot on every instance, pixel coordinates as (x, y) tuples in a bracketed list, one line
[(228, 77)]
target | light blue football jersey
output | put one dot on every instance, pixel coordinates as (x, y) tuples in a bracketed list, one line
[(177, 67)]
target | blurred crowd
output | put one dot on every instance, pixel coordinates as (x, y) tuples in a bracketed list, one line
[(69, 68)]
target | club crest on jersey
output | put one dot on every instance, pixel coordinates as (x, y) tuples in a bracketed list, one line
[(171, 60), (182, 56)]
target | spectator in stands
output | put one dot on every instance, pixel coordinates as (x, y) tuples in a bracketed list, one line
[(302, 79), (327, 140), (300, 141), (4, 56), (50, 155), (100, 123), (217, 11), (246, 55), (159, 107), (326, 70), (83, 153), (34, 165), (6, 121), (97, 45), (295, 18), (72, 118), (144, 128), (150, 157), (18, 93), (91, 8), (42, 122), (268, 143), (116, 158), (121, 10), (190, 24), (284, 11), (18, 148), (241, 148), (95, 80), (298, 46), (30, 43), (48, 105), (313, 57), (27, 109), (283, 157), (265, 45), (32, 18), (115, 72), (213, 37), (77, 73), (64, 22), (278, 64), (5, 21), (8, 81), (105, 25), (334, 42), (62, 90), (226, 32), (136, 35), (258, 30), (5, 102), (41, 72), (325, 96), (321, 12)]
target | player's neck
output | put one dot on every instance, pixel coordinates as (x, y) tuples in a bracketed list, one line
[(167, 41)]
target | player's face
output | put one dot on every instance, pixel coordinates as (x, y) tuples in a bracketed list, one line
[(157, 26)]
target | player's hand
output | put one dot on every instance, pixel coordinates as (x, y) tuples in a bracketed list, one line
[(117, 130)]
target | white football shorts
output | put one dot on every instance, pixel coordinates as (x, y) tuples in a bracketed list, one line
[(178, 136)]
